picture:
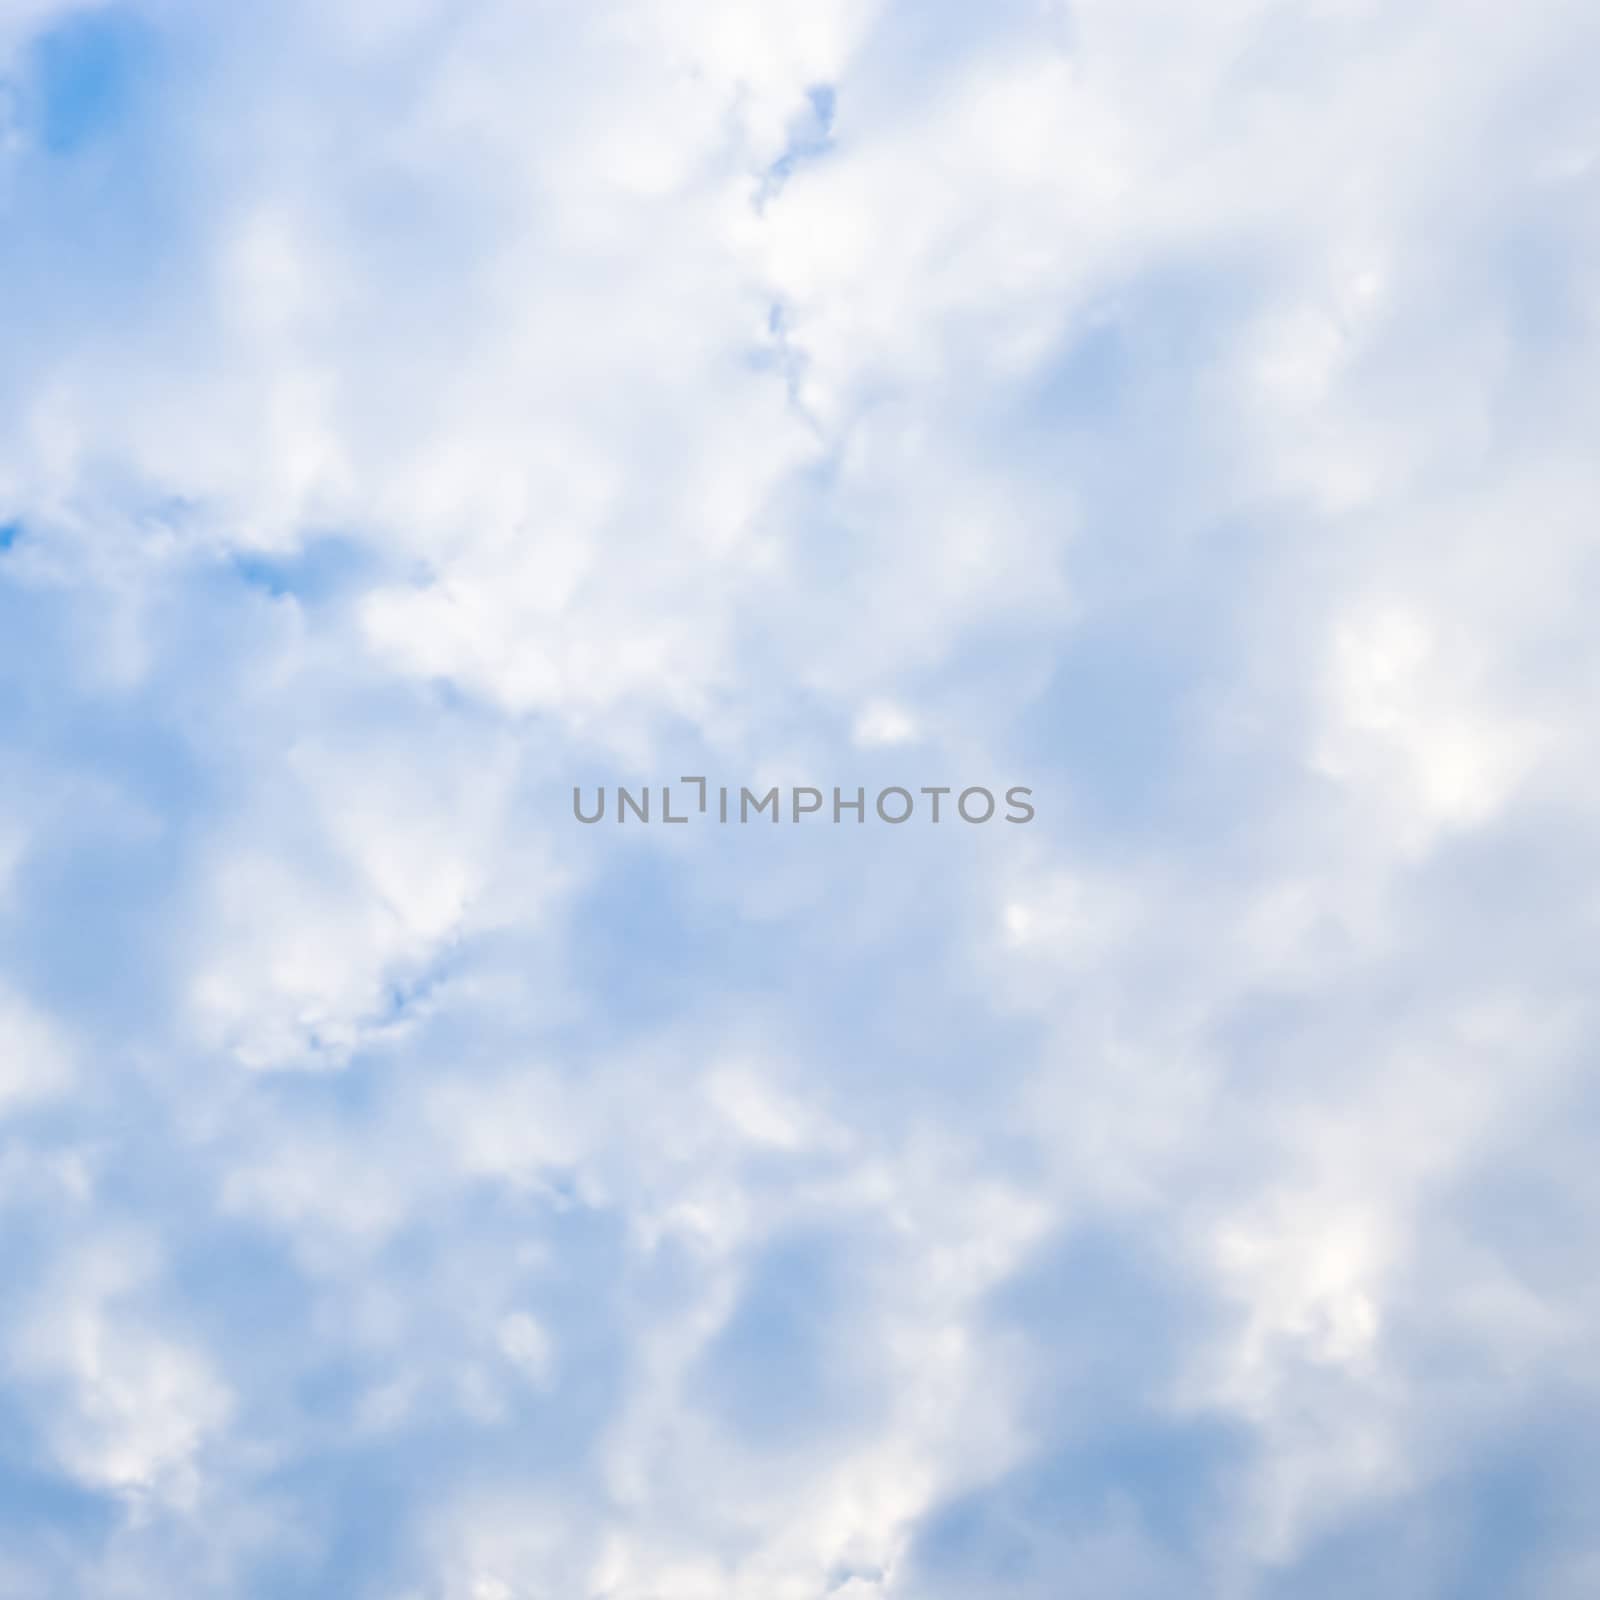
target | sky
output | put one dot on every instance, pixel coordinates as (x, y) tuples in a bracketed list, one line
[(413, 411)]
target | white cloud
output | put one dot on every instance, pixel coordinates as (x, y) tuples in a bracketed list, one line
[(1159, 403), (883, 723), (139, 1404), (35, 1060)]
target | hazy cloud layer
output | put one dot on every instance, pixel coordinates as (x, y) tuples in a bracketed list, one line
[(409, 411)]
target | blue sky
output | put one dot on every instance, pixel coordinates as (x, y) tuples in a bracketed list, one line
[(410, 411)]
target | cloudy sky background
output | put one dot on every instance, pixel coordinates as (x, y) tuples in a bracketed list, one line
[(409, 410)]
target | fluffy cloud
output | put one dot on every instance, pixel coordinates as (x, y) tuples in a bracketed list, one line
[(412, 411)]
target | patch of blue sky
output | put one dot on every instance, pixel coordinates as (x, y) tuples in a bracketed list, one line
[(320, 569), (87, 74)]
